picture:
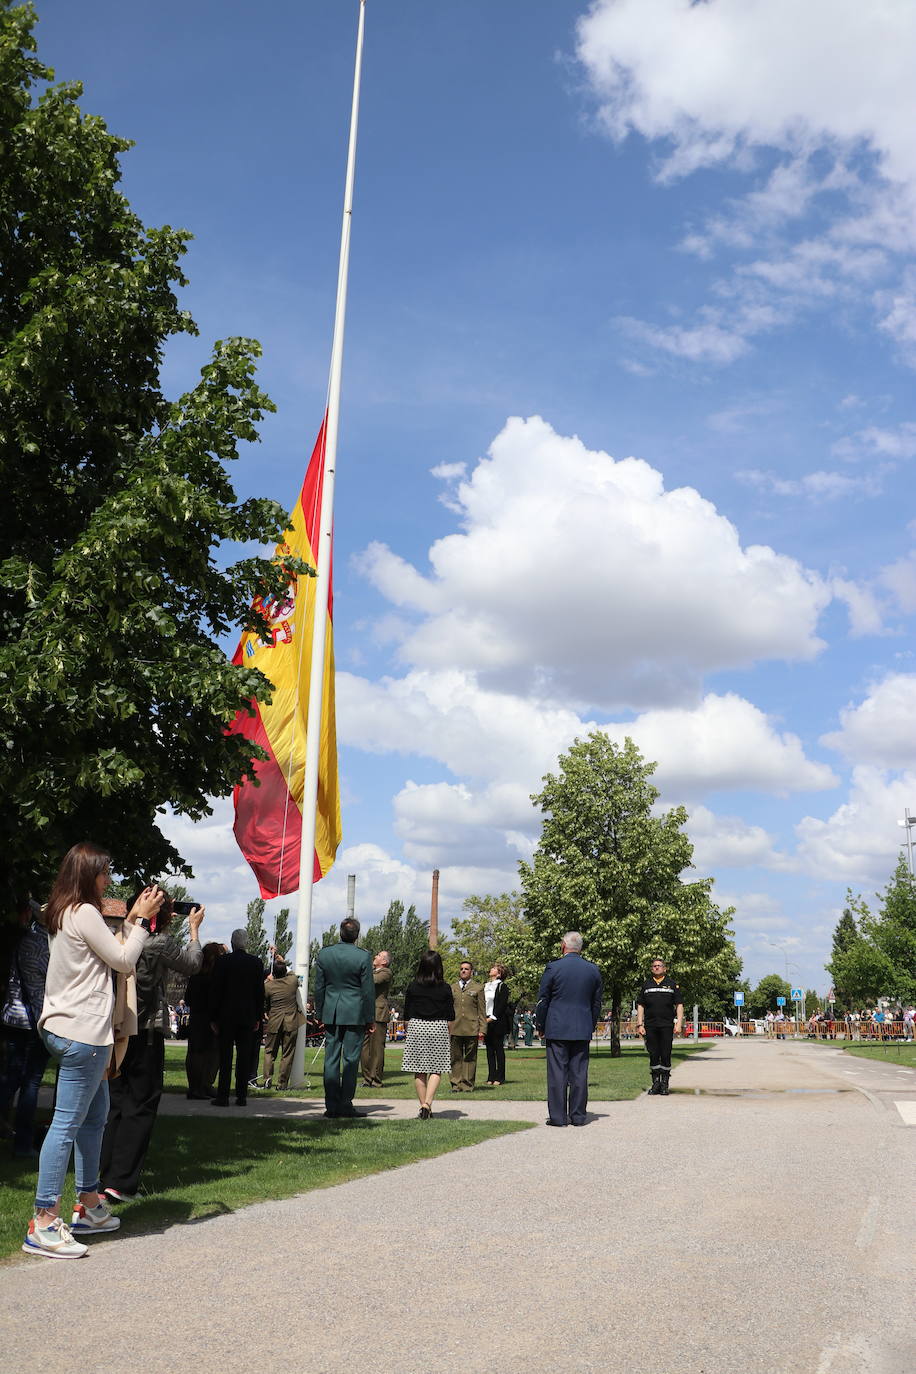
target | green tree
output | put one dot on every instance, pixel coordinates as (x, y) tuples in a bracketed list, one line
[(894, 933), (606, 865), (329, 937), (283, 936), (254, 929), (763, 998), (494, 930), (117, 500), (405, 936), (845, 937)]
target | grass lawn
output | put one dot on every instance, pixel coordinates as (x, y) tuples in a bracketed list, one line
[(609, 1080), (201, 1168), (891, 1052)]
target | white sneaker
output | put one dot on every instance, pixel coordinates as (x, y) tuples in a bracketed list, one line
[(93, 1220), (54, 1241)]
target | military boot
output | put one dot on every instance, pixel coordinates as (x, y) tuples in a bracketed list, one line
[(663, 1076), (655, 1089)]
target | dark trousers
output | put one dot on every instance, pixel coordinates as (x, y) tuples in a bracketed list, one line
[(567, 1081), (342, 1048), (25, 1063), (496, 1054), (240, 1039), (201, 1063), (658, 1046), (134, 1101)]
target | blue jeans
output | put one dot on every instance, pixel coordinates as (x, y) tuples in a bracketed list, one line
[(79, 1119), (26, 1058)]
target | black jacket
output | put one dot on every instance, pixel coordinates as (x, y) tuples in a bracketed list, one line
[(237, 990)]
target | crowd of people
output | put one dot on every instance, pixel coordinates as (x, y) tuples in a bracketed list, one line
[(91, 994)]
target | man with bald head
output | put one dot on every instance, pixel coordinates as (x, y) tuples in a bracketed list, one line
[(372, 1059), (567, 1011)]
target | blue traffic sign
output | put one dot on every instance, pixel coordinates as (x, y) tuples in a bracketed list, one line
[(780, 1001), (797, 995), (739, 999)]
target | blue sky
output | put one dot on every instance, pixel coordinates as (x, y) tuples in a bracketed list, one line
[(628, 422)]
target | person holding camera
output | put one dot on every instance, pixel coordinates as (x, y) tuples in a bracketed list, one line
[(136, 1091), (76, 1027)]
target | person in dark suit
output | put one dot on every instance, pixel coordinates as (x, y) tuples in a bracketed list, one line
[(568, 1007), (496, 1002), (345, 1002), (236, 1011)]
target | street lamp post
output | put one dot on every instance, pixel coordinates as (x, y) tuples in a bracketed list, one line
[(782, 949), (907, 822)]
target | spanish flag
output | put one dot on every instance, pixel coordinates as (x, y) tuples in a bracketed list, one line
[(268, 817)]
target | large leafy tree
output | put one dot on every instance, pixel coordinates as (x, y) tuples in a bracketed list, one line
[(610, 867), (116, 502)]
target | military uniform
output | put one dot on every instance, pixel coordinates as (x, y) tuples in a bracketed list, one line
[(470, 1023), (372, 1059)]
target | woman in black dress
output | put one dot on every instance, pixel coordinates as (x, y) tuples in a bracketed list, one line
[(428, 1009)]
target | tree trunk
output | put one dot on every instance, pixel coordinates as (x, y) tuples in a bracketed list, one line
[(615, 1024)]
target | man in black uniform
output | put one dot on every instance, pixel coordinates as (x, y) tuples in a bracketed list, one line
[(659, 1013)]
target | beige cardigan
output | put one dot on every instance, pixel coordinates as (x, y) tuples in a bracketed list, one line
[(79, 998)]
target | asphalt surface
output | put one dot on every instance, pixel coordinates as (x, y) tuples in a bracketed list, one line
[(760, 1219)]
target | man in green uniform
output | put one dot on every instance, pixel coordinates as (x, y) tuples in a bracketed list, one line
[(468, 1028), (345, 1002), (659, 1013)]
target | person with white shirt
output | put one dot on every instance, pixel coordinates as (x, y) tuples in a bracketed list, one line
[(496, 1002), (76, 1027)]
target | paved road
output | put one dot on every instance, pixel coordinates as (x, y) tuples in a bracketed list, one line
[(701, 1233)]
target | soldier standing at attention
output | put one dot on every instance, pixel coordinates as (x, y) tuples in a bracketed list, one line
[(659, 1013)]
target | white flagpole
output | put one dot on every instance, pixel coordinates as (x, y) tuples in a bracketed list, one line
[(320, 584)]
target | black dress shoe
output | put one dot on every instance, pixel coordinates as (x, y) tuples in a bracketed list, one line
[(578, 1123), (550, 1122), (333, 1115)]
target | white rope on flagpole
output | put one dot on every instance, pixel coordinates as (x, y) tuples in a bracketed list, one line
[(322, 581)]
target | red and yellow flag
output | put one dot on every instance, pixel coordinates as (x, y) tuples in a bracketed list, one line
[(268, 818)]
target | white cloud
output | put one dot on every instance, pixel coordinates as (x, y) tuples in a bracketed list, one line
[(828, 87), (719, 78), (875, 442), (859, 843), (881, 730), (580, 577), (900, 580), (709, 342), (729, 842), (725, 743), (813, 486)]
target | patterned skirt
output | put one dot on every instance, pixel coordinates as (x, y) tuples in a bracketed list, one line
[(427, 1048)]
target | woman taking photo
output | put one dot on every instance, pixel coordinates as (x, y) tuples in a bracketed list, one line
[(428, 1009), (75, 1025)]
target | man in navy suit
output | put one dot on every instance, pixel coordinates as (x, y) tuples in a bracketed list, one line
[(568, 1007)]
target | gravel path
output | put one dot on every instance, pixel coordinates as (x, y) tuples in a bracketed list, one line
[(697, 1233)]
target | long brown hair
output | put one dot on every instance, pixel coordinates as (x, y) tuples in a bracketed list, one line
[(75, 882)]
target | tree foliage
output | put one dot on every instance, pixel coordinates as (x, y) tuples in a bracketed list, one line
[(874, 954), (608, 866), (283, 936), (405, 936), (254, 929), (763, 998), (117, 499), (494, 930)]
